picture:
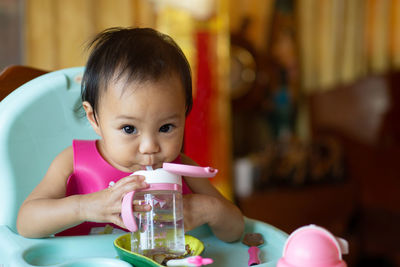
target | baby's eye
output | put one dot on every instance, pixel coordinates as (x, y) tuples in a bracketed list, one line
[(166, 128), (129, 129)]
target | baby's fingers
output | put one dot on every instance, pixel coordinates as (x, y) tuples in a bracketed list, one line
[(131, 179), (130, 183), (136, 207), (117, 220), (142, 208)]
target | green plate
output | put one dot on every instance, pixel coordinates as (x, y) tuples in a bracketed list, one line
[(123, 246)]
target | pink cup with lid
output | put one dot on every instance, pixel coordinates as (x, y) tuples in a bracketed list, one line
[(313, 246), (160, 231)]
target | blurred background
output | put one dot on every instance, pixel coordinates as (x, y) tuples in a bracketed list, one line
[(295, 102)]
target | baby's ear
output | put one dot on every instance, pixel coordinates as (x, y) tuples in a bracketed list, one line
[(91, 117)]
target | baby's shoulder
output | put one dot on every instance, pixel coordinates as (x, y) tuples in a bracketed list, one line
[(64, 160), (61, 167), (67, 152)]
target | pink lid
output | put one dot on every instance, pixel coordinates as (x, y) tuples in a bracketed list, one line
[(189, 170), (313, 246)]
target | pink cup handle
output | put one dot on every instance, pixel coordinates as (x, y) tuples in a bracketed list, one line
[(127, 212), (253, 256)]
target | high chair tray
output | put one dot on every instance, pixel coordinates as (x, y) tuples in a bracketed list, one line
[(98, 250)]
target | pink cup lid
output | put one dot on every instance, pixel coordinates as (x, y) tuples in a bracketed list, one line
[(313, 246), (189, 170)]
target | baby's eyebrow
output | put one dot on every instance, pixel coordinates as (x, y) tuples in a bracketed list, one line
[(173, 116), (127, 117)]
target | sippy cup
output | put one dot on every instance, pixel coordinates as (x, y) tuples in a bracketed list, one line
[(160, 231), (313, 246)]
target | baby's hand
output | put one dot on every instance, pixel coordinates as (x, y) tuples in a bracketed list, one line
[(105, 205)]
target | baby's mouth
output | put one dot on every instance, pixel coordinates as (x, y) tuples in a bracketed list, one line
[(151, 167)]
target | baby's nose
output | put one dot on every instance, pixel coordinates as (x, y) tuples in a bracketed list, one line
[(149, 145)]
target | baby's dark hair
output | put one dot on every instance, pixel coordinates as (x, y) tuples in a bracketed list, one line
[(140, 54)]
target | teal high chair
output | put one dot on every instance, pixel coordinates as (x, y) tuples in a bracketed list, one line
[(37, 121)]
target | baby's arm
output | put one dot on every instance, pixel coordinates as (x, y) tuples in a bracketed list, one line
[(47, 210), (207, 205)]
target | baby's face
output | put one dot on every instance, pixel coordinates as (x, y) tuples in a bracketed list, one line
[(141, 123)]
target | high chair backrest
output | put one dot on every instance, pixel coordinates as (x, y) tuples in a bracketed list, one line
[(37, 121)]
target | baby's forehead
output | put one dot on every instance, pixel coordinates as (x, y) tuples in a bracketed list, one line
[(125, 83), (129, 76)]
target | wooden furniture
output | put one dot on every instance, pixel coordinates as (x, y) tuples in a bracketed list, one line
[(14, 76), (364, 117)]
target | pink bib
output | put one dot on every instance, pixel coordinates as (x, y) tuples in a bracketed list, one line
[(93, 173)]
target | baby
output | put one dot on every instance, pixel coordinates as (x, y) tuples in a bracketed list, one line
[(136, 93)]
